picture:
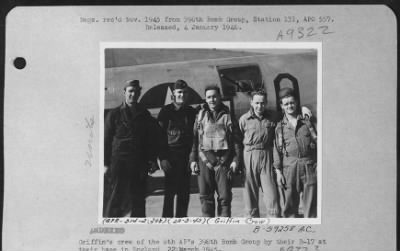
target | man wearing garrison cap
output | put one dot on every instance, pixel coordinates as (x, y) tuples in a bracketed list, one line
[(295, 159), (130, 152), (176, 120)]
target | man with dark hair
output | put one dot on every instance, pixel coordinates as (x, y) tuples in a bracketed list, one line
[(176, 120), (295, 159), (130, 152), (258, 130), (215, 153), (212, 87)]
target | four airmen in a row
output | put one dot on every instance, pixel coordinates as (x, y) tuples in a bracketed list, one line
[(278, 157)]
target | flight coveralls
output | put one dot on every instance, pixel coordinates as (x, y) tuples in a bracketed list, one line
[(295, 154), (177, 127), (258, 136), (130, 142), (215, 146)]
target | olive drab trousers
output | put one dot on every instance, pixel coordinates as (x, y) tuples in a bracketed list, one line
[(301, 177), (259, 173), (177, 182), (126, 191), (213, 180)]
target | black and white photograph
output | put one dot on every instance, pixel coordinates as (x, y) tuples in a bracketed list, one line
[(227, 131), (200, 128)]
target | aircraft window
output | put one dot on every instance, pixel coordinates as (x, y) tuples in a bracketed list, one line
[(239, 79), (286, 80)]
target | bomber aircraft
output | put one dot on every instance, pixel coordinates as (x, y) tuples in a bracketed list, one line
[(237, 72)]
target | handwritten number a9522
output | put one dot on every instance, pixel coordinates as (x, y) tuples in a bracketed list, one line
[(302, 32)]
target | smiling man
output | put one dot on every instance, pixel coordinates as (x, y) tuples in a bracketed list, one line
[(176, 120), (257, 129), (215, 154), (295, 159), (130, 152)]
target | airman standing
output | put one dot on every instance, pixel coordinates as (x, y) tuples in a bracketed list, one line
[(295, 158), (215, 154), (130, 152), (258, 132), (176, 120)]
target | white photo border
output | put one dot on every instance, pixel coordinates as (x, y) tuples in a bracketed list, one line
[(211, 45)]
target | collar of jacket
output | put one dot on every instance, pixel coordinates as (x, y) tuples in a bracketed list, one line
[(139, 110), (221, 110), (252, 115), (174, 107), (285, 120)]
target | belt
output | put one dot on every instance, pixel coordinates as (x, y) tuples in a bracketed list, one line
[(260, 146), (298, 155)]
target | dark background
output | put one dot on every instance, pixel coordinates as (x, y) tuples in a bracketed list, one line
[(7, 5)]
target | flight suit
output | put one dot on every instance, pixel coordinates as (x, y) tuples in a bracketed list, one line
[(130, 142), (215, 146), (177, 126), (295, 154), (258, 135)]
